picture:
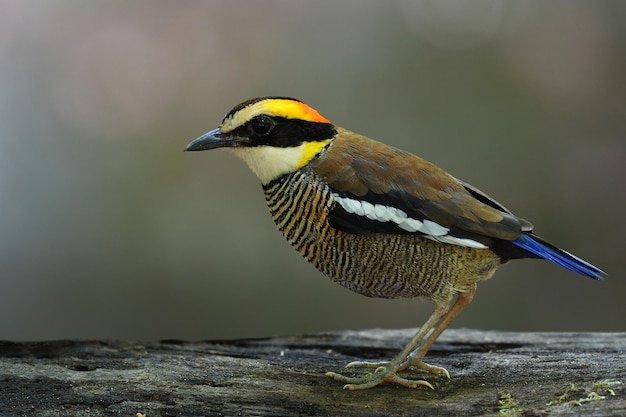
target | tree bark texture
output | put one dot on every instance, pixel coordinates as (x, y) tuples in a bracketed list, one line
[(492, 373)]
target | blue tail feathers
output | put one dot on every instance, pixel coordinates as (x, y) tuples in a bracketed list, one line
[(543, 249)]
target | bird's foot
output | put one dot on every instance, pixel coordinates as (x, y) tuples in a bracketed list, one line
[(368, 365), (381, 375), (418, 363), (437, 370)]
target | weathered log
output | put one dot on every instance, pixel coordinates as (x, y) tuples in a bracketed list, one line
[(492, 373)]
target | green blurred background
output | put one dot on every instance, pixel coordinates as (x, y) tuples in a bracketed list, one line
[(108, 229)]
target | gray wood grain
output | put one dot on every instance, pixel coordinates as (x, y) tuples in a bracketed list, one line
[(492, 373)]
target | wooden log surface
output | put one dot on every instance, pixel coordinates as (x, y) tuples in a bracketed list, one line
[(492, 373)]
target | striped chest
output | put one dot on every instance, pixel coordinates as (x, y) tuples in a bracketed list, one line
[(377, 265), (299, 205)]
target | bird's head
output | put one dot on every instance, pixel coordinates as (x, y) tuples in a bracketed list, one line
[(273, 135)]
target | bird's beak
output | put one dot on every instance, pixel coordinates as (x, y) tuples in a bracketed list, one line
[(215, 139)]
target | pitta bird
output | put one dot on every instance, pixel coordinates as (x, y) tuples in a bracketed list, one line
[(378, 220)]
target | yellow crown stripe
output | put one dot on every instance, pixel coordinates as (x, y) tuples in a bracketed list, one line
[(289, 109)]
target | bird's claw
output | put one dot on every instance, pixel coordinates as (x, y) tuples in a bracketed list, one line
[(369, 365), (380, 376), (386, 372), (418, 363), (436, 370)]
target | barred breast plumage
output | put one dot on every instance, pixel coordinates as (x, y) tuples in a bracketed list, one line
[(375, 265)]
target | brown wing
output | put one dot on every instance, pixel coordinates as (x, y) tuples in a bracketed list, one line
[(363, 170)]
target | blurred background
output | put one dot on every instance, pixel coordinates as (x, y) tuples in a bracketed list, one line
[(109, 230)]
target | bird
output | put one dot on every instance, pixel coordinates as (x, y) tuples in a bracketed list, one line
[(378, 220)]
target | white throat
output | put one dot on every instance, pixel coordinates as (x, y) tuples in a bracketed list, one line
[(269, 162)]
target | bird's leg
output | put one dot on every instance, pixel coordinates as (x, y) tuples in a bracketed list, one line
[(439, 312), (386, 371), (416, 358)]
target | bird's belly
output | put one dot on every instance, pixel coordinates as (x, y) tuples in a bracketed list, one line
[(375, 265), (393, 266)]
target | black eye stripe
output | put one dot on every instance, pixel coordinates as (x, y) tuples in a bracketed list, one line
[(264, 130)]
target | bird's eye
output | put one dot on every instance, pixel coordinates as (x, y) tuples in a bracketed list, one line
[(261, 125)]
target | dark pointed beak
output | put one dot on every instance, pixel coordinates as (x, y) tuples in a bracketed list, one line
[(213, 140)]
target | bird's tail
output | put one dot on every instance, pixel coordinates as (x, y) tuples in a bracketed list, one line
[(541, 248)]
